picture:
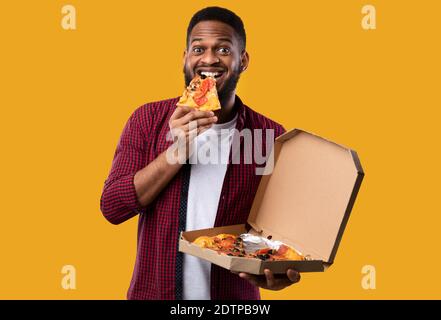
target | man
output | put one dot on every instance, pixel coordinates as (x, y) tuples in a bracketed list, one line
[(170, 196)]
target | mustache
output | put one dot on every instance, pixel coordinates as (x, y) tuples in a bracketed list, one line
[(236, 72), (212, 65), (216, 66)]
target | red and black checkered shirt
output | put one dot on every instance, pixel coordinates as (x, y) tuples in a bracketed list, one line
[(142, 140)]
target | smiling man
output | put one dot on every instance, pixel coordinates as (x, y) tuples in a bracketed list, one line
[(169, 196)]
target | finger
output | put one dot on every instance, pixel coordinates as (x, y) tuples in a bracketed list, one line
[(206, 121), (293, 275), (270, 282), (180, 112), (180, 133), (192, 133), (195, 124), (185, 132), (193, 115)]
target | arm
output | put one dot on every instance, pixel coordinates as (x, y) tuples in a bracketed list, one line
[(152, 179), (131, 187), (118, 199)]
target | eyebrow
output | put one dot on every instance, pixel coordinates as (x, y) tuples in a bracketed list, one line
[(220, 40)]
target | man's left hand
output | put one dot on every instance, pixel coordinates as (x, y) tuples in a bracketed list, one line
[(270, 281)]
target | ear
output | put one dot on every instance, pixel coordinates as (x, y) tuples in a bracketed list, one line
[(244, 61), (184, 56)]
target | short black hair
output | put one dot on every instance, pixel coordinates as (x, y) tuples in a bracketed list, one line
[(219, 14)]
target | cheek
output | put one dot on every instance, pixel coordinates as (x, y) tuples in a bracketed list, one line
[(187, 65), (190, 63), (232, 64)]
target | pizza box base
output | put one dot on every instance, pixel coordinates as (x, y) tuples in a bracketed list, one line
[(241, 264)]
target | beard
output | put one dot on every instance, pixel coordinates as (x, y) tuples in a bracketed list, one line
[(228, 87)]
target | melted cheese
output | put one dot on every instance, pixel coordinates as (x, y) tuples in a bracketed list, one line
[(211, 104)]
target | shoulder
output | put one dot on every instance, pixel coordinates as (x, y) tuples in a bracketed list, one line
[(259, 121), (157, 108), (155, 112)]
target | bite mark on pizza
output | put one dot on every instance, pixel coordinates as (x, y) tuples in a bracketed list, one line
[(201, 93)]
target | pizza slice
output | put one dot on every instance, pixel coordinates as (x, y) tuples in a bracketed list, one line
[(223, 243), (201, 93), (286, 253), (205, 242)]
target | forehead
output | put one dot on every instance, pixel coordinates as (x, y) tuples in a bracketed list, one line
[(212, 31)]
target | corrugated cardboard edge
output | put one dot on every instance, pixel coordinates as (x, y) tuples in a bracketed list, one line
[(359, 179), (291, 133)]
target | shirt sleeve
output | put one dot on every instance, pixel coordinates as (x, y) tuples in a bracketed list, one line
[(119, 201), (279, 130)]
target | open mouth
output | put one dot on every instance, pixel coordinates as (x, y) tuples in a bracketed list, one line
[(213, 74)]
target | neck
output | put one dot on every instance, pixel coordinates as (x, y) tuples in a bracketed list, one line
[(227, 112)]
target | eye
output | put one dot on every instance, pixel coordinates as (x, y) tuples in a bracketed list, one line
[(224, 50), (197, 50)]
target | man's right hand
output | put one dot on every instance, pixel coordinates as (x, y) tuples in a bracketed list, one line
[(186, 123), (153, 178)]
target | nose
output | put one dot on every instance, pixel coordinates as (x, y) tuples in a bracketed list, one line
[(210, 57)]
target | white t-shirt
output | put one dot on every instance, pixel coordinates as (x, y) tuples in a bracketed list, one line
[(206, 180)]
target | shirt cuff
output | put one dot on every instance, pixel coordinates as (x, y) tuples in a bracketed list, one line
[(126, 193)]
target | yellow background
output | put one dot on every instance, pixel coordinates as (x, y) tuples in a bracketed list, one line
[(66, 95)]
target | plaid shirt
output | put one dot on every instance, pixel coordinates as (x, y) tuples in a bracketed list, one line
[(142, 140)]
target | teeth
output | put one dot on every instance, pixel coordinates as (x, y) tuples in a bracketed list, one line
[(209, 74)]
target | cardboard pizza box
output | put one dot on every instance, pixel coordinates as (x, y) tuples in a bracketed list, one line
[(305, 203)]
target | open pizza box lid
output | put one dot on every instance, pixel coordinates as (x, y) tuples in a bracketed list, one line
[(306, 200)]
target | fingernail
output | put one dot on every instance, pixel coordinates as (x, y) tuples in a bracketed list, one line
[(211, 113)]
